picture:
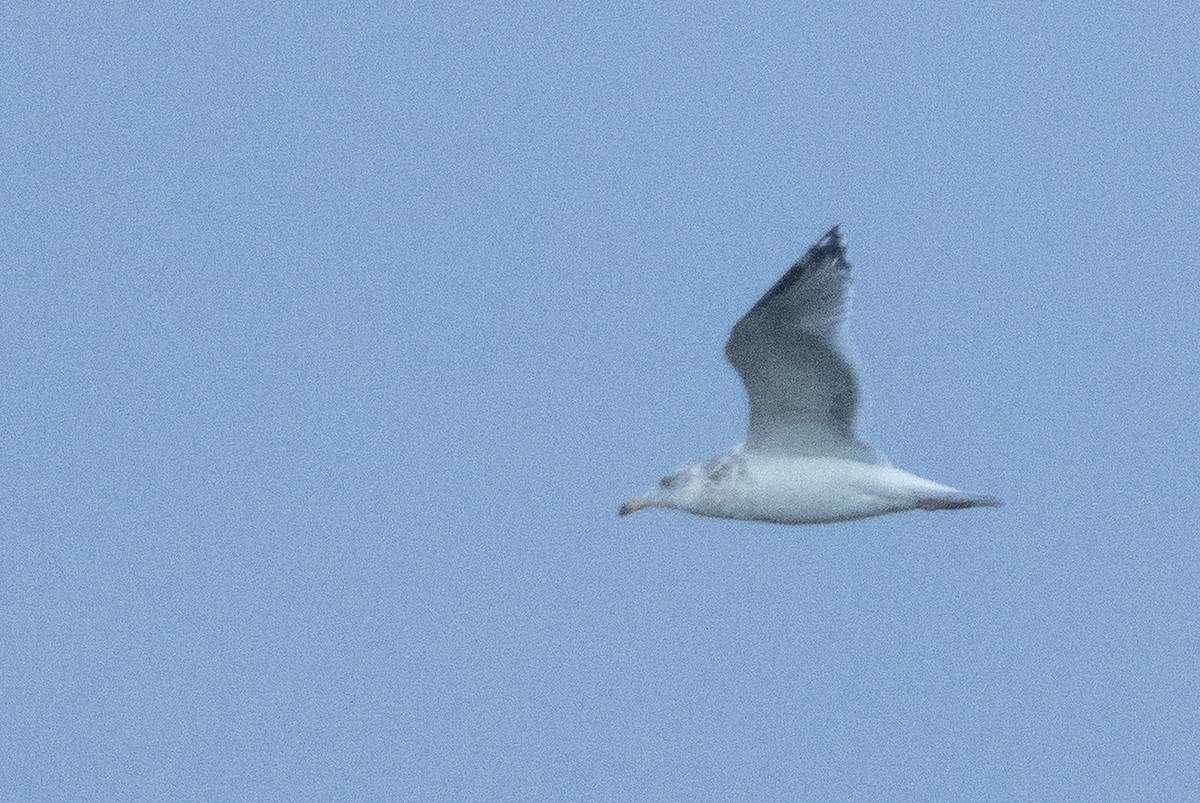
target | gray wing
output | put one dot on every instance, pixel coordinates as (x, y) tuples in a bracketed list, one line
[(790, 351)]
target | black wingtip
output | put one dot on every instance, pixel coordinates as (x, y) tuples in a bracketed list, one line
[(828, 247), (826, 254)]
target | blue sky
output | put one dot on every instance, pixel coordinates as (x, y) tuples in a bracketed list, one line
[(334, 334)]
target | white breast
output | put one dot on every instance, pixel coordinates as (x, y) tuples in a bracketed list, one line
[(795, 490)]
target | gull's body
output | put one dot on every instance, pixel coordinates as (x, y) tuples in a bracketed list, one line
[(802, 462)]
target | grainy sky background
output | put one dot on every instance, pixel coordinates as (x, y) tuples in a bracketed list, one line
[(333, 334)]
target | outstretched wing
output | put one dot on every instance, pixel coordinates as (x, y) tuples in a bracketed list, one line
[(789, 350)]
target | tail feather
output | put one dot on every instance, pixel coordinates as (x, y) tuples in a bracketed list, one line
[(957, 502)]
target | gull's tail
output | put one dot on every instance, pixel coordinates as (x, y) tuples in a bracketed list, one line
[(957, 501)]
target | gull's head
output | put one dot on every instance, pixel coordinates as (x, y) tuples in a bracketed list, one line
[(681, 490)]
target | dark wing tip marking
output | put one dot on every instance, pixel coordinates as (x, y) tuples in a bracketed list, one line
[(828, 247), (828, 251)]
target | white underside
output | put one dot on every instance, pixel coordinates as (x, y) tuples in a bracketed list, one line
[(801, 490)]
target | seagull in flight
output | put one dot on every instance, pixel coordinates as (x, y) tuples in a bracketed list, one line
[(802, 462)]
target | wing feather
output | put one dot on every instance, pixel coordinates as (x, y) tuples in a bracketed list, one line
[(790, 351)]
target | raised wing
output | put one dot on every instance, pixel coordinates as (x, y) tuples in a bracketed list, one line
[(789, 351)]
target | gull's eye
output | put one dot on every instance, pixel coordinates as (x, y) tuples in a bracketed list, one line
[(667, 483)]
